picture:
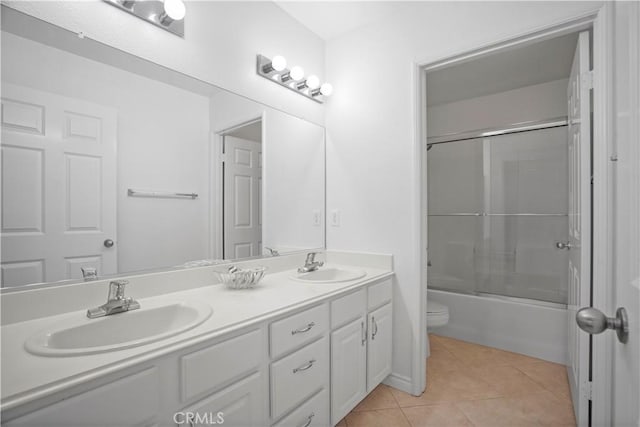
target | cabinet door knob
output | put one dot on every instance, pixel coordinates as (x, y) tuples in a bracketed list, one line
[(108, 243)]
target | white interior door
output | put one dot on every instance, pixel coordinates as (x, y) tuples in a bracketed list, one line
[(626, 269), (58, 186), (242, 198), (579, 245)]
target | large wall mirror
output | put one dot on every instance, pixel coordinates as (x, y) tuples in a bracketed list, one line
[(113, 163)]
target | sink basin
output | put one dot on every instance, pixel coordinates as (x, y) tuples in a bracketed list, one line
[(329, 275), (78, 335)]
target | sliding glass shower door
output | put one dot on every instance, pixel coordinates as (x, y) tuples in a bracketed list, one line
[(497, 207)]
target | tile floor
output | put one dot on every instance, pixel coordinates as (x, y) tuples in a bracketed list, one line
[(473, 385)]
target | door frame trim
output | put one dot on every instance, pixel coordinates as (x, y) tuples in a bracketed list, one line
[(599, 21)]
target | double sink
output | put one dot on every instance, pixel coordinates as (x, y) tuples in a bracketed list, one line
[(78, 335)]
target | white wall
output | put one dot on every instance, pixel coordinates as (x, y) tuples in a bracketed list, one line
[(163, 137), (220, 45), (293, 171), (536, 102), (372, 166)]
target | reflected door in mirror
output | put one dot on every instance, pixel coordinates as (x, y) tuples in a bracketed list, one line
[(58, 186), (242, 198)]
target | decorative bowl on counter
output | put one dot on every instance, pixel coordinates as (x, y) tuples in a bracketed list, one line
[(241, 278)]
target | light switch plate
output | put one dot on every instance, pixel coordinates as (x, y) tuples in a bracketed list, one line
[(317, 218), (335, 218)]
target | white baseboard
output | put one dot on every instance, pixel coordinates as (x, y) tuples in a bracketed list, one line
[(400, 382)]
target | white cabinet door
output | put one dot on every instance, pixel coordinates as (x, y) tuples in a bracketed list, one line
[(379, 347), (348, 368), (130, 401), (239, 405)]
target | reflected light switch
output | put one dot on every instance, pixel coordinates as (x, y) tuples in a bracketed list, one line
[(335, 218), (317, 218)]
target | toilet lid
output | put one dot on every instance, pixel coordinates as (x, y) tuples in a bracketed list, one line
[(436, 307)]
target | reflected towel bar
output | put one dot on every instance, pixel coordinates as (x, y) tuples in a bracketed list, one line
[(160, 194), (499, 214)]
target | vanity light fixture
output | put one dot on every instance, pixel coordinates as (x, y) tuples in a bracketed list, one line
[(276, 70), (166, 14)]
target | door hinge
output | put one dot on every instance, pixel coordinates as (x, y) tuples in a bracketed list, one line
[(587, 79), (587, 390)]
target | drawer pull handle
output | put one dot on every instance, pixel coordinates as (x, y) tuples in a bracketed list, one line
[(303, 330), (304, 367), (374, 326), (309, 419)]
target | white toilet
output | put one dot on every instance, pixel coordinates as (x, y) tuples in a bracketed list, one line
[(437, 314)]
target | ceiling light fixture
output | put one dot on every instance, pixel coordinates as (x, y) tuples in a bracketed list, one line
[(276, 71)]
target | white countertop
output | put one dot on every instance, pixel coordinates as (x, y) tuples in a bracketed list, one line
[(26, 377)]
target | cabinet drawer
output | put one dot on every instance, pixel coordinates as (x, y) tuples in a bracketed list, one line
[(207, 369), (132, 400), (239, 405), (347, 308), (299, 329), (299, 375), (312, 413), (379, 294)]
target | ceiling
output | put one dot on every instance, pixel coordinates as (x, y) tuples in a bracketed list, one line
[(330, 19), (537, 63)]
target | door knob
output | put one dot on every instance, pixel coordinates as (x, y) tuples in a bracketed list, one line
[(108, 243), (593, 321), (564, 245)]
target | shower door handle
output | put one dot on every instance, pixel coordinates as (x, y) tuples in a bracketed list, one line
[(564, 245)]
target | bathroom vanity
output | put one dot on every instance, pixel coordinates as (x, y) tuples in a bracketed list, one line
[(285, 353)]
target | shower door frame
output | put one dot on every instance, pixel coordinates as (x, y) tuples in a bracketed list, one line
[(599, 22)]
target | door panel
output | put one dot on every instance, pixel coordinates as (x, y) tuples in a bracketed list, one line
[(579, 146), (348, 368), (58, 186), (380, 346), (242, 198), (626, 268)]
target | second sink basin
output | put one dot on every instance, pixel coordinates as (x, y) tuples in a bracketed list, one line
[(79, 335), (329, 275)]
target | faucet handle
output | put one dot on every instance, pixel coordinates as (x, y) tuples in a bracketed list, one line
[(116, 289), (89, 273), (311, 256)]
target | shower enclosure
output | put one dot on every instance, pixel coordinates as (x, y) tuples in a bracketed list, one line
[(497, 207)]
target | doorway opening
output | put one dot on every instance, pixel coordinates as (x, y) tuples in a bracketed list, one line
[(506, 166), (242, 190)]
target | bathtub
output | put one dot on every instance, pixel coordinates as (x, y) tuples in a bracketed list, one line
[(512, 324)]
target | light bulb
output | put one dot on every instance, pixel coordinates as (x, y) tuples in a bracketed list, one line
[(313, 82), (279, 63), (174, 9), (297, 73), (326, 89)]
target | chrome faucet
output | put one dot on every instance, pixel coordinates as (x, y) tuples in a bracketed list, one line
[(272, 251), (116, 301), (310, 264)]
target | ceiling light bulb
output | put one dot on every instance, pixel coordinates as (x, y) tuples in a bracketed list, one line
[(174, 9), (297, 73), (313, 82), (279, 63), (326, 89)]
